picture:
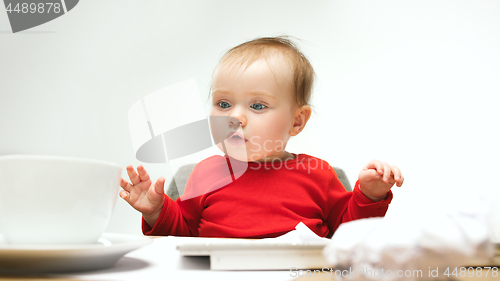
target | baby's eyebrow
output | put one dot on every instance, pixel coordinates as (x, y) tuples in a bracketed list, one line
[(263, 93), (218, 92), (253, 93)]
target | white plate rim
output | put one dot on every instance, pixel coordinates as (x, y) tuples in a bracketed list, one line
[(117, 240), (68, 258)]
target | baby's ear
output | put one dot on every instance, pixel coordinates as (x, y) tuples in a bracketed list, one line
[(301, 116)]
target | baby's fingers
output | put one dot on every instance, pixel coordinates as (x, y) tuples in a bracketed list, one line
[(134, 178), (156, 192), (368, 175), (386, 172), (159, 186), (143, 175), (125, 185), (377, 165), (125, 195), (398, 177)]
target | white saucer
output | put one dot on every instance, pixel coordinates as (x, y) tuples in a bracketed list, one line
[(67, 258)]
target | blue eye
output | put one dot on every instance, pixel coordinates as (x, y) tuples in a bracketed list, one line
[(258, 106), (224, 104)]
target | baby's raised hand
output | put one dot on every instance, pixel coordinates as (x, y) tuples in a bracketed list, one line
[(377, 178), (142, 194)]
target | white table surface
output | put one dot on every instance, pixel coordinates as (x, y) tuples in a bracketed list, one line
[(162, 261)]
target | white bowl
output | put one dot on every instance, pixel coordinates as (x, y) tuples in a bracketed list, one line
[(56, 200)]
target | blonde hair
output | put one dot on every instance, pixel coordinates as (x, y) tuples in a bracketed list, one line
[(265, 47)]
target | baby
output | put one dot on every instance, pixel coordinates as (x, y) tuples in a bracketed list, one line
[(262, 89)]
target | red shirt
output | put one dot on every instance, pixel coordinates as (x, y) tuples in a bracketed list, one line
[(265, 200)]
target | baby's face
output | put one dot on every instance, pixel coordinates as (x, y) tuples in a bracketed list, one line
[(263, 101)]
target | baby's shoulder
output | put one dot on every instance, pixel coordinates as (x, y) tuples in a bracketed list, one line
[(313, 162), (210, 163), (313, 166)]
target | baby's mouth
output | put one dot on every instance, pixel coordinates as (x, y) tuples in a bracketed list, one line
[(236, 138)]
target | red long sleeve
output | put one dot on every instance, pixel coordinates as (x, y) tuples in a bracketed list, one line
[(266, 200)]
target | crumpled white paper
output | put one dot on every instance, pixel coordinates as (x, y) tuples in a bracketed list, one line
[(415, 241), (301, 234)]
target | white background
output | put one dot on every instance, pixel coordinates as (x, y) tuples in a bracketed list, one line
[(413, 83)]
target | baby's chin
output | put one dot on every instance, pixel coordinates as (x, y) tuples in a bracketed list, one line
[(241, 154)]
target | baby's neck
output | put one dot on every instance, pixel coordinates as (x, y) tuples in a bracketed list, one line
[(284, 157)]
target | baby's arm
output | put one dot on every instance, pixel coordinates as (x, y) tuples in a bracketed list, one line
[(142, 194), (374, 184), (161, 215), (377, 178)]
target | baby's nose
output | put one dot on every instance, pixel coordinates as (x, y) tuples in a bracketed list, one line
[(234, 120), (237, 118)]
